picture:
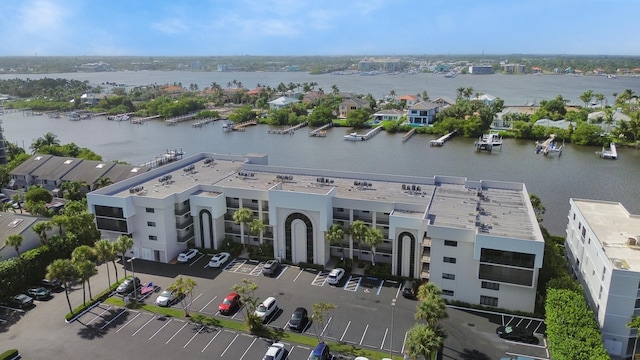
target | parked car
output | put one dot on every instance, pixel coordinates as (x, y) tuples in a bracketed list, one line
[(335, 276), (275, 352), (230, 304), (39, 293), (410, 289), (127, 286), (518, 334), (320, 352), (53, 284), (20, 301), (187, 256), (299, 319), (219, 259), (361, 358), (270, 268), (266, 308), (167, 298)]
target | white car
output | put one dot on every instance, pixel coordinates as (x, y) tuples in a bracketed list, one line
[(335, 276), (166, 298), (275, 352), (186, 256), (219, 259), (266, 308)]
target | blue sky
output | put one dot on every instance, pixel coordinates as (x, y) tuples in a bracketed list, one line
[(318, 27)]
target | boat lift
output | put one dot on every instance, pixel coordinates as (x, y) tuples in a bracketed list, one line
[(549, 146)]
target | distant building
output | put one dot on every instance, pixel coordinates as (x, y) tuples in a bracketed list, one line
[(423, 113), (485, 98), (513, 68), (3, 145), (409, 100), (96, 67), (366, 65), (603, 251), (226, 67), (480, 69), (350, 105)]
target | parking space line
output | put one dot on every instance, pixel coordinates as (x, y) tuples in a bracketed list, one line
[(403, 342), (99, 315), (384, 338), (248, 347), (325, 327), (193, 337), (345, 330), (128, 322), (210, 341), (145, 324), (194, 300), (284, 268), (296, 278), (380, 287), (525, 356), (398, 291), (174, 335), (364, 333), (537, 327), (115, 317), (353, 283), (320, 279), (196, 260), (210, 301), (163, 326), (257, 270), (228, 346)]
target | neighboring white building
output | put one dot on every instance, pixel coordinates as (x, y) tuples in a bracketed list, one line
[(603, 250), (282, 102), (479, 241), (18, 224)]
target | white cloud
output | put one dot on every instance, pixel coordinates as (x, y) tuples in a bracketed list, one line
[(171, 26), (43, 17)]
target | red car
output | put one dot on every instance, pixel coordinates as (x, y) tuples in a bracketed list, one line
[(230, 304)]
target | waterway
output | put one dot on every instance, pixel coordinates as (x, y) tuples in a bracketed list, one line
[(578, 173)]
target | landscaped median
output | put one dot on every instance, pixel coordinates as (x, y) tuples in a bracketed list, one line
[(95, 301), (10, 355), (276, 334)]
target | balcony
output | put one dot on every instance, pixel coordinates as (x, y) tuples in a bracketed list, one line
[(426, 258), (426, 242), (183, 223), (181, 211), (186, 237), (425, 273)]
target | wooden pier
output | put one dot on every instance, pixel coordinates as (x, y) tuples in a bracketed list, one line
[(242, 125), (202, 122), (408, 135), (612, 153), (178, 119), (321, 131), (441, 140), (362, 137), (140, 121), (288, 131)]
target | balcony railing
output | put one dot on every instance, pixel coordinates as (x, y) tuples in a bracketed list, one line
[(181, 224), (186, 237), (426, 242), (181, 211)]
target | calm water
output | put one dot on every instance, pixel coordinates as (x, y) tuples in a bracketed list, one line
[(579, 172)]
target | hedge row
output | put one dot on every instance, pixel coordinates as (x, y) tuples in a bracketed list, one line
[(572, 331), (97, 299), (9, 354)]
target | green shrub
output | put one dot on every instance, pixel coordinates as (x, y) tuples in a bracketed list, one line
[(304, 265), (381, 269), (98, 298), (9, 354)]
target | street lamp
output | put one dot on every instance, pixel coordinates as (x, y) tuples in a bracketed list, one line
[(393, 305), (135, 290)]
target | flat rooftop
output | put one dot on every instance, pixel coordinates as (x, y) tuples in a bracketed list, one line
[(617, 230), (494, 208)]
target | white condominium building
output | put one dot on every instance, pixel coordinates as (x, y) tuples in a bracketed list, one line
[(603, 250), (478, 240)]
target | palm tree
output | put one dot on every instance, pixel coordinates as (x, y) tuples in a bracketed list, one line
[(600, 98), (334, 89), (102, 182), (122, 245), (243, 216), (41, 229), (62, 220), (373, 238), (358, 231), (608, 118), (423, 340), (184, 288), (85, 270), (320, 312), (106, 252), (586, 97), (62, 269), (427, 290), (18, 198), (256, 227), (15, 240), (634, 324), (83, 253), (335, 236), (459, 92), (432, 310)]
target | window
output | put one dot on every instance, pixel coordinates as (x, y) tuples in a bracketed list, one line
[(488, 300), (450, 260), (150, 210), (450, 243), (448, 276), (490, 285), (151, 223), (153, 237), (447, 292)]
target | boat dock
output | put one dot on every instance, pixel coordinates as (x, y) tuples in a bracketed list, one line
[(612, 153), (288, 131), (321, 131), (177, 119), (242, 125), (488, 142), (203, 122), (549, 146), (408, 135), (362, 137), (443, 139), (144, 119)]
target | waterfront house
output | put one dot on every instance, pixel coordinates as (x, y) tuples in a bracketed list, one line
[(444, 102), (603, 252), (485, 98), (313, 97), (479, 241), (388, 115), (351, 104), (409, 100), (600, 118), (422, 113), (282, 102)]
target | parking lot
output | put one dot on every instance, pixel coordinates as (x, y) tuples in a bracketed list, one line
[(363, 317)]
